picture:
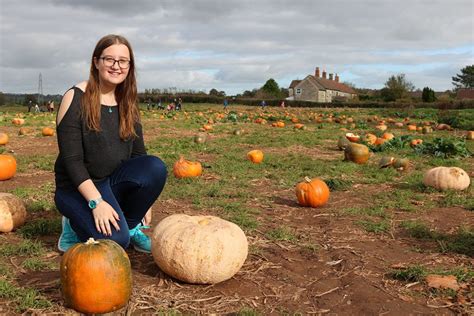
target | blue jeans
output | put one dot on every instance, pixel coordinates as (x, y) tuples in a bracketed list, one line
[(131, 190)]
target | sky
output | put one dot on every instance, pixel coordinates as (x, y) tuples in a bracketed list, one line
[(237, 45)]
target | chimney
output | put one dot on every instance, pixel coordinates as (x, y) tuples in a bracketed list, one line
[(337, 78), (316, 73), (324, 74), (330, 76)]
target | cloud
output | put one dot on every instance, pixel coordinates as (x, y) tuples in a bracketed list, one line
[(237, 45)]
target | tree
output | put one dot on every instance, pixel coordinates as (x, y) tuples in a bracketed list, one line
[(465, 79), (216, 93), (271, 88), (428, 95), (396, 87)]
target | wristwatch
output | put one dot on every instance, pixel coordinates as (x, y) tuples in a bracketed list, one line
[(93, 203)]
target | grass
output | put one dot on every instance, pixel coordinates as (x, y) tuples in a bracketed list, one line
[(37, 199), (22, 298), (282, 234), (417, 273), (24, 248), (28, 163), (248, 312), (417, 229), (364, 211), (377, 227), (41, 227), (36, 264), (461, 242)]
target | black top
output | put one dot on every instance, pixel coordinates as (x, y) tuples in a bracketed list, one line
[(86, 154)]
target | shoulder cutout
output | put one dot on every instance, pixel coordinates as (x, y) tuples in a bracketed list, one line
[(65, 104), (82, 85)]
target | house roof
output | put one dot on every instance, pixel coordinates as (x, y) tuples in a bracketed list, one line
[(294, 83), (324, 84), (465, 94), (333, 85)]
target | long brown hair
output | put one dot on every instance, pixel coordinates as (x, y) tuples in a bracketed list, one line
[(125, 92)]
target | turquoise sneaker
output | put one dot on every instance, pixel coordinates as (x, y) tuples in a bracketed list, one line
[(139, 240), (68, 236)]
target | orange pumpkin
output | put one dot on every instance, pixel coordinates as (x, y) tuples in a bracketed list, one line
[(388, 136), (470, 135), (255, 156), (381, 127), (411, 127), (207, 127), (370, 138), (96, 277), (18, 121), (352, 137), (25, 131), (3, 139), (294, 120), (416, 142), (47, 131), (379, 141), (312, 193), (7, 167), (186, 169), (280, 124)]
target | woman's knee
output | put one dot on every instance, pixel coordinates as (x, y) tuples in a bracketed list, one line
[(155, 169)]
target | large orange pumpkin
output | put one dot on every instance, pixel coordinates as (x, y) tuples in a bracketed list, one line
[(313, 193), (3, 139), (96, 277), (7, 167), (186, 169), (255, 156)]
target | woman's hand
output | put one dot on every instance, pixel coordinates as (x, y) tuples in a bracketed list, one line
[(104, 214), (147, 219)]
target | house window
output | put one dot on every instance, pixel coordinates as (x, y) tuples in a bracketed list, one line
[(298, 91)]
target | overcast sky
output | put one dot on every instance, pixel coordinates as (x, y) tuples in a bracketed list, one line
[(237, 45)]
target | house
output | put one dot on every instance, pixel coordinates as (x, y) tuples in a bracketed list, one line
[(320, 89), (465, 93)]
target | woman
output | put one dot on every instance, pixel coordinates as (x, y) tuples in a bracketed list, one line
[(105, 181)]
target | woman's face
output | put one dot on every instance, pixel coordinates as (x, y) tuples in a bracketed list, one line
[(113, 64)]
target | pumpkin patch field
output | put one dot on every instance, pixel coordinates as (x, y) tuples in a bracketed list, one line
[(326, 211)]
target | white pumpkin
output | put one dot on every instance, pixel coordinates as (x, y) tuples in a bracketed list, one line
[(199, 249), (12, 212), (445, 178)]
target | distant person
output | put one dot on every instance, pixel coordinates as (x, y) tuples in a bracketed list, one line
[(179, 105), (159, 106), (226, 103), (30, 106), (263, 104), (37, 108), (282, 104), (106, 182)]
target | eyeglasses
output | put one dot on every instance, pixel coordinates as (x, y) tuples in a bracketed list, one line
[(110, 62)]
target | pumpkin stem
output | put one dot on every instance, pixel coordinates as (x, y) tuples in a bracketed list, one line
[(91, 241), (307, 179)]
